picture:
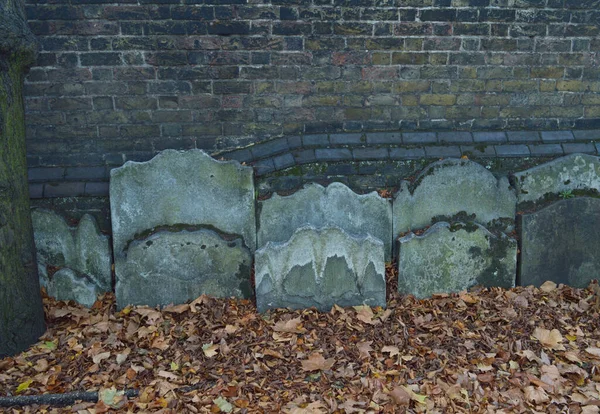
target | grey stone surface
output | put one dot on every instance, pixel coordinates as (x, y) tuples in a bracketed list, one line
[(318, 206), (572, 172), (320, 268), (68, 284), (561, 243), (451, 258), (181, 187), (174, 267), (446, 188), (82, 252)]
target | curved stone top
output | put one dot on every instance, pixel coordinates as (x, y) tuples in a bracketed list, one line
[(312, 246), (181, 187), (83, 248), (573, 172), (448, 187), (318, 206)]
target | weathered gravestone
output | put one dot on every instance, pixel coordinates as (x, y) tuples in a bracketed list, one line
[(184, 265), (320, 268), (73, 263), (561, 243), (318, 206), (179, 191), (446, 188), (451, 258), (566, 174)]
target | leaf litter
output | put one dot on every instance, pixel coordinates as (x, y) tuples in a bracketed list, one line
[(487, 351)]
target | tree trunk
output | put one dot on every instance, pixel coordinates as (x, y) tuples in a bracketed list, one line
[(21, 310)]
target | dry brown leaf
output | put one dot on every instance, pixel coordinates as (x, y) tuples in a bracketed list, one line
[(100, 357), (365, 314), (316, 362), (290, 326), (364, 348), (549, 339), (548, 286), (593, 351), (393, 350), (400, 396), (536, 394), (177, 308), (210, 350)]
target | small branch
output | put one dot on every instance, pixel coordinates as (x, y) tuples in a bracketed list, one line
[(68, 398)]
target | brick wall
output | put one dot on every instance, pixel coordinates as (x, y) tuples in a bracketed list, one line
[(119, 80)]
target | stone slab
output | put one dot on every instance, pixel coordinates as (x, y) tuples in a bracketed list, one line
[(175, 267), (335, 205), (82, 250), (446, 188), (320, 268), (451, 258), (569, 173), (561, 243), (66, 284), (181, 188)]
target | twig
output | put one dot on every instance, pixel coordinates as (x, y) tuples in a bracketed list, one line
[(68, 398)]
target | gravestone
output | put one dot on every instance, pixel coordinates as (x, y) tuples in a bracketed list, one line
[(80, 255), (320, 268), (317, 206), (451, 258), (446, 188), (172, 198), (565, 174), (174, 267), (561, 243)]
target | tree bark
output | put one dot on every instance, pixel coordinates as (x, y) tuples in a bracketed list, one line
[(21, 310)]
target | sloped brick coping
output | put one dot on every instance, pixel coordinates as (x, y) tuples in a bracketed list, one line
[(284, 152)]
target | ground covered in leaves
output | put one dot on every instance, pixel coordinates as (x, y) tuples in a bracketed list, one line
[(490, 350)]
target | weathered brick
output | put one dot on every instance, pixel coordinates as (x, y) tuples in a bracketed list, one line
[(579, 147), (398, 153), (333, 154), (523, 136), (554, 136), (443, 151), (370, 153), (455, 137), (512, 150), (419, 137)]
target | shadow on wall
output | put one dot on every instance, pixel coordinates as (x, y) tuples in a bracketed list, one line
[(185, 224)]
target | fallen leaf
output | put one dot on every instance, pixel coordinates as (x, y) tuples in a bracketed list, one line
[(210, 350), (593, 351), (24, 386), (100, 357), (223, 405), (536, 394), (316, 362), (548, 286), (364, 348), (393, 350), (400, 396), (549, 339), (291, 326), (365, 314)]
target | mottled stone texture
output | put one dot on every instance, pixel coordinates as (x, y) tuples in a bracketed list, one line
[(561, 243), (335, 205), (446, 188), (320, 268), (121, 80), (175, 267), (82, 251), (450, 258), (181, 188), (564, 175), (174, 192)]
